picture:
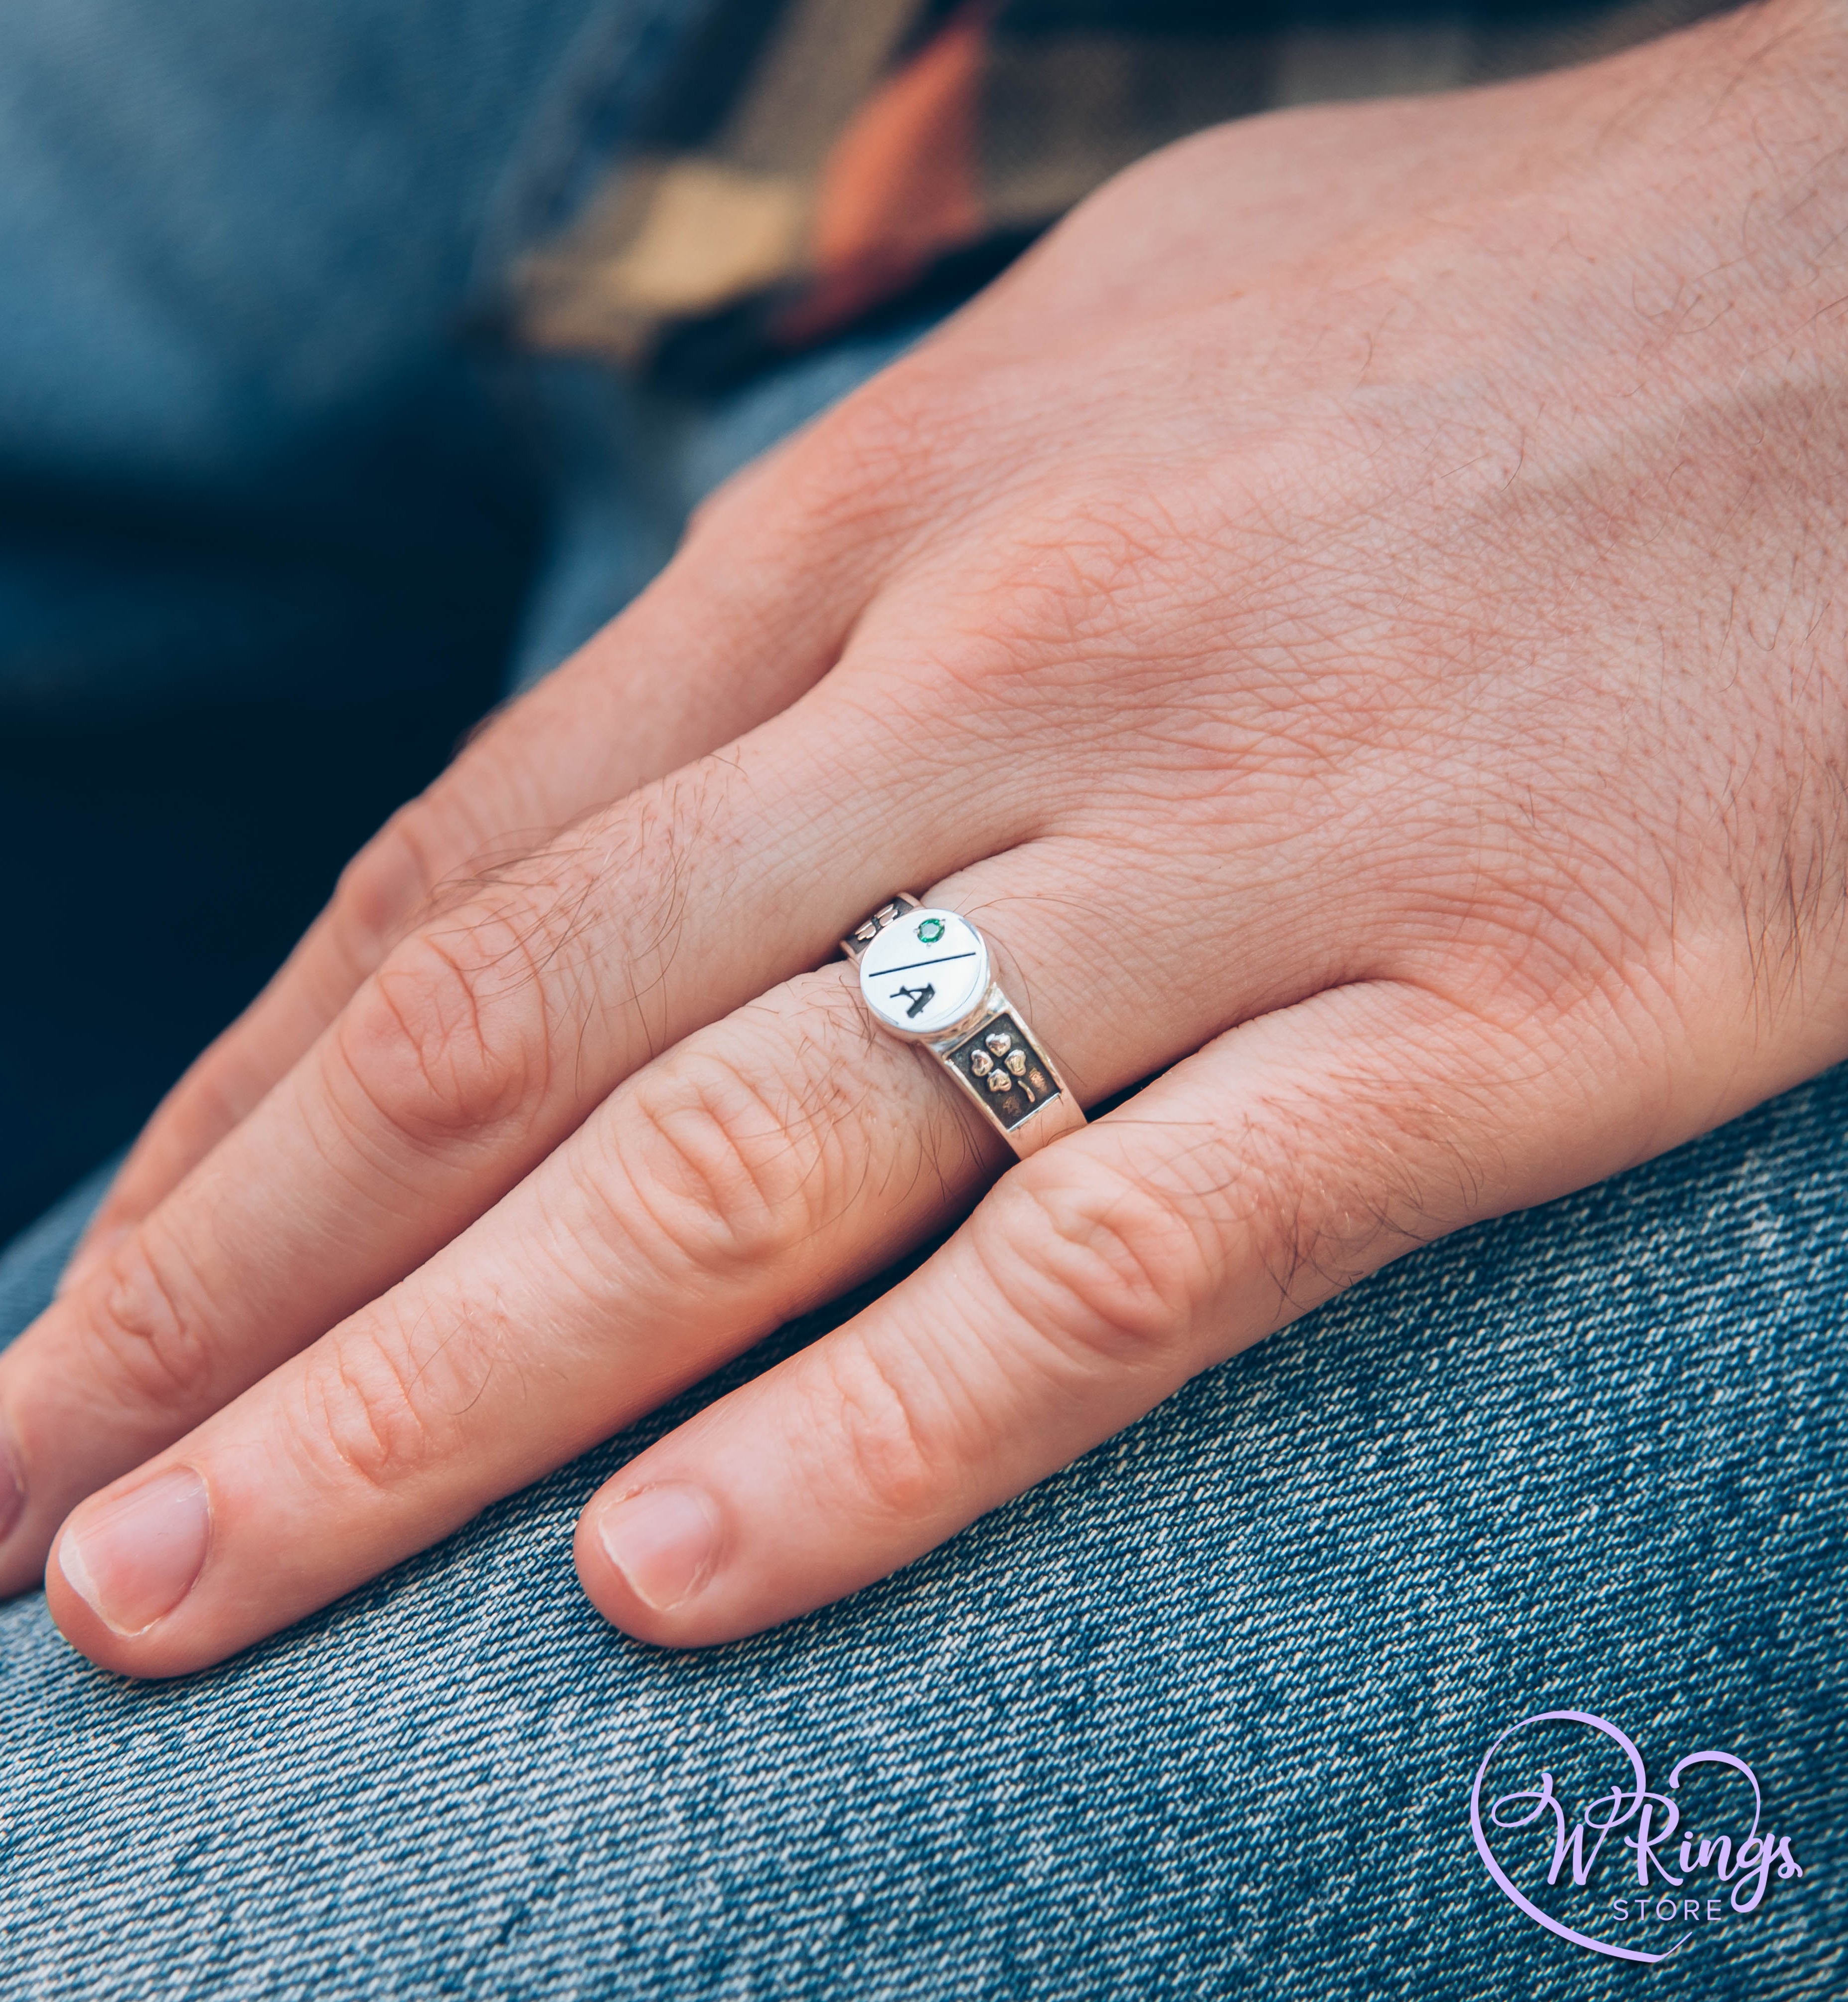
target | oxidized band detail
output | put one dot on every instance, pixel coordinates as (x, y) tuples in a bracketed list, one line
[(925, 976)]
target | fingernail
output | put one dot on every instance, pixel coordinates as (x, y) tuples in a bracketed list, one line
[(134, 1559), (90, 1253), (664, 1541), (12, 1490)]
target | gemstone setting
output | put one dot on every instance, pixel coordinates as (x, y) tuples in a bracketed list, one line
[(928, 977)]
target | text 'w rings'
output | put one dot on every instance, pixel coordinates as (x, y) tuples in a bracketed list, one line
[(925, 975)]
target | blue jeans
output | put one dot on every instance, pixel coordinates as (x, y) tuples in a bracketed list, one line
[(1206, 1714), (1199, 1717)]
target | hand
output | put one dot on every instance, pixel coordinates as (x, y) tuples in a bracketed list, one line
[(1385, 668)]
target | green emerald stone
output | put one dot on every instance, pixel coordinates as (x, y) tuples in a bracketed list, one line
[(930, 931)]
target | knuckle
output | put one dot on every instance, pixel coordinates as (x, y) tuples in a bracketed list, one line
[(362, 1409), (857, 477), (450, 1037), (390, 878), (882, 437), (141, 1325), (1094, 1259), (732, 1168), (807, 496), (872, 1437), (1099, 553)]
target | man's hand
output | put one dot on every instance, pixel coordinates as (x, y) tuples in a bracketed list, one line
[(1352, 617)]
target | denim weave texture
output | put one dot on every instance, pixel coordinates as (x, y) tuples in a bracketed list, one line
[(1198, 1716)]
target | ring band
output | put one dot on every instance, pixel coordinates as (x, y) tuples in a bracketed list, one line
[(926, 978)]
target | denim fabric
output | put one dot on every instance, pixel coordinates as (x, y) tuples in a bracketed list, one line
[(244, 435), (1198, 1716), (30, 1265)]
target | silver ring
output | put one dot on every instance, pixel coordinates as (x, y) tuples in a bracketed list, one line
[(925, 977)]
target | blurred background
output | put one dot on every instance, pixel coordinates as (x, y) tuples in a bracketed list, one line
[(162, 870), (357, 361)]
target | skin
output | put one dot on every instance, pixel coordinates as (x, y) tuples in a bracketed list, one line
[(1350, 616)]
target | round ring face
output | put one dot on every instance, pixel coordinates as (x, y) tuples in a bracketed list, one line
[(926, 973)]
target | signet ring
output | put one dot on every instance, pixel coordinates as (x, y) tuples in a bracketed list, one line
[(926, 978)]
